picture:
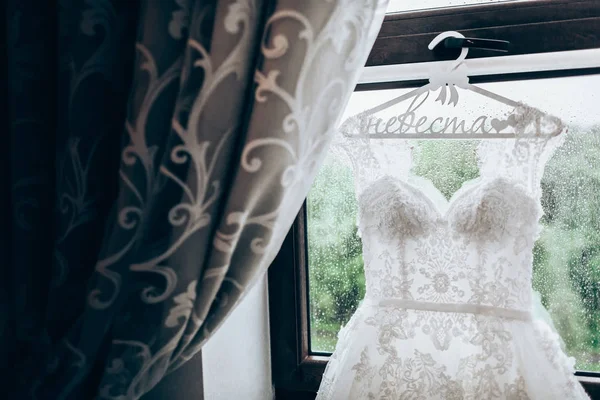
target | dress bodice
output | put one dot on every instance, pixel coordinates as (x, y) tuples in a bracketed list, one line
[(475, 248)]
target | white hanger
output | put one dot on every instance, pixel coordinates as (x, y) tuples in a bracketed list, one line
[(439, 38), (525, 121)]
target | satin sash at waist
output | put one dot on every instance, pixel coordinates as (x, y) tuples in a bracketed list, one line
[(477, 309)]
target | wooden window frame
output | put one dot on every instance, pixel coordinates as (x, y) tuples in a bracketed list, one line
[(403, 38)]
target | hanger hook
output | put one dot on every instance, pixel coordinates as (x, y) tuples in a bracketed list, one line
[(439, 38)]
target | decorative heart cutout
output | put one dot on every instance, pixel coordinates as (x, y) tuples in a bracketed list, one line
[(499, 124)]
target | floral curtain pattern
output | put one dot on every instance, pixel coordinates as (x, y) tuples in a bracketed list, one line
[(158, 152)]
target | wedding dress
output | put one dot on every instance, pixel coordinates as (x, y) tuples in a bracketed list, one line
[(448, 307)]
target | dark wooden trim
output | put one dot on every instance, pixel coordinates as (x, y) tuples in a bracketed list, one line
[(488, 14), (303, 288), (592, 389), (283, 394), (590, 382), (293, 366), (563, 25), (282, 278)]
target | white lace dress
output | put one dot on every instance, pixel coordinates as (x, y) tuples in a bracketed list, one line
[(447, 311)]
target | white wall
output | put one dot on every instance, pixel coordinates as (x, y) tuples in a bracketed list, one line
[(237, 360)]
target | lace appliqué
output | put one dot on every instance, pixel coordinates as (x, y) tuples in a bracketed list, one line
[(474, 249)]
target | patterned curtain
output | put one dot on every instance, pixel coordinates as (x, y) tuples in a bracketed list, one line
[(155, 155)]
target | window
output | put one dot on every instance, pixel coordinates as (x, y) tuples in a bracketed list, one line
[(567, 255), (317, 279)]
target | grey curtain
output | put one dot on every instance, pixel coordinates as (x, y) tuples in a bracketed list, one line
[(155, 155)]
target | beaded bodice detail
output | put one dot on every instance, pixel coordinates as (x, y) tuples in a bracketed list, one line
[(474, 248)]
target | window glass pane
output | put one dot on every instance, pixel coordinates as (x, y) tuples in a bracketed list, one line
[(566, 256), (413, 5)]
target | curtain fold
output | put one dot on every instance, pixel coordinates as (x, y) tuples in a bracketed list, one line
[(158, 152)]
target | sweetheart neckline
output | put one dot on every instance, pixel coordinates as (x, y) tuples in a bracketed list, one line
[(448, 204), (465, 188)]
